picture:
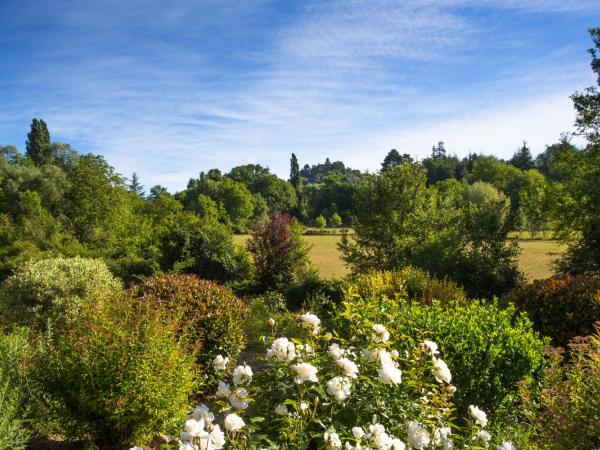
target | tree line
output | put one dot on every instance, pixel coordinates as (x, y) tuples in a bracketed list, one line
[(454, 212)]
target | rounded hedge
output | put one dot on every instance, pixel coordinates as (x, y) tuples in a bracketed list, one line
[(47, 289), (210, 316), (562, 307), (118, 375)]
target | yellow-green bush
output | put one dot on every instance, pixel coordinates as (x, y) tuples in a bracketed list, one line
[(409, 282), (54, 289), (117, 375), (210, 317)]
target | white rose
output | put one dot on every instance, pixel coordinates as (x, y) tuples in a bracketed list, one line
[(397, 444), (381, 334), (390, 374), (442, 437), (506, 445), (223, 390), (451, 389), (418, 436), (217, 438), (233, 422), (349, 367), (186, 446), (478, 415), (194, 427), (238, 399), (358, 432), (339, 388), (282, 349), (303, 406), (271, 321), (305, 372), (333, 439), (220, 362), (311, 322), (336, 351), (484, 436), (441, 372), (431, 347), (242, 374), (395, 354)]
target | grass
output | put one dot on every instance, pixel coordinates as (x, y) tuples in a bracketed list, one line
[(536, 259)]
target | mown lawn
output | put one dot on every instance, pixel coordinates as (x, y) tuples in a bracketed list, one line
[(535, 260)]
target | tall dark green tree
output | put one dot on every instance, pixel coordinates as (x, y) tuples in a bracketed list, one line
[(578, 212), (295, 177), (38, 144), (522, 158), (438, 151), (393, 158), (135, 186)]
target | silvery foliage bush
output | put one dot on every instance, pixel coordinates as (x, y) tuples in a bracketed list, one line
[(368, 392)]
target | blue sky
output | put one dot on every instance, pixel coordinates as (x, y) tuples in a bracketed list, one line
[(171, 88)]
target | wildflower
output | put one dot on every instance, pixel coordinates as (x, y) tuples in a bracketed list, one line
[(441, 372), (223, 390), (506, 445), (431, 347), (311, 322), (479, 416), (305, 372), (381, 334), (484, 436), (281, 410), (233, 422), (220, 362), (418, 436), (339, 388), (282, 349), (242, 374), (349, 367)]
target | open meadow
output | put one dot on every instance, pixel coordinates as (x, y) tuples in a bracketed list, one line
[(535, 260)]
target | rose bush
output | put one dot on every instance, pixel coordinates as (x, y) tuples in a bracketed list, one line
[(373, 390)]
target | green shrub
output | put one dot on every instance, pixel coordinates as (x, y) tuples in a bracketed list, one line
[(118, 375), (271, 305), (489, 348), (561, 308), (209, 316), (567, 413), (54, 289), (306, 294), (14, 430), (409, 282)]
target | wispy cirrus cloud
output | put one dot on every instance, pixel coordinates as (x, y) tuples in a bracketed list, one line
[(170, 89)]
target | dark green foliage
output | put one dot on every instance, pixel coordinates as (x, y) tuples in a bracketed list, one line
[(117, 375), (38, 143), (317, 173), (135, 186), (295, 177), (209, 317), (439, 166), (522, 158), (400, 222), (488, 349), (587, 103), (393, 158), (561, 308)]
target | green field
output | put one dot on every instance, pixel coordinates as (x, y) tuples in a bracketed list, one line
[(535, 260)]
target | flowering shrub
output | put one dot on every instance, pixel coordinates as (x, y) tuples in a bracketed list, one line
[(567, 413), (54, 289), (117, 375), (371, 391), (490, 348), (561, 308), (210, 317), (409, 282)]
